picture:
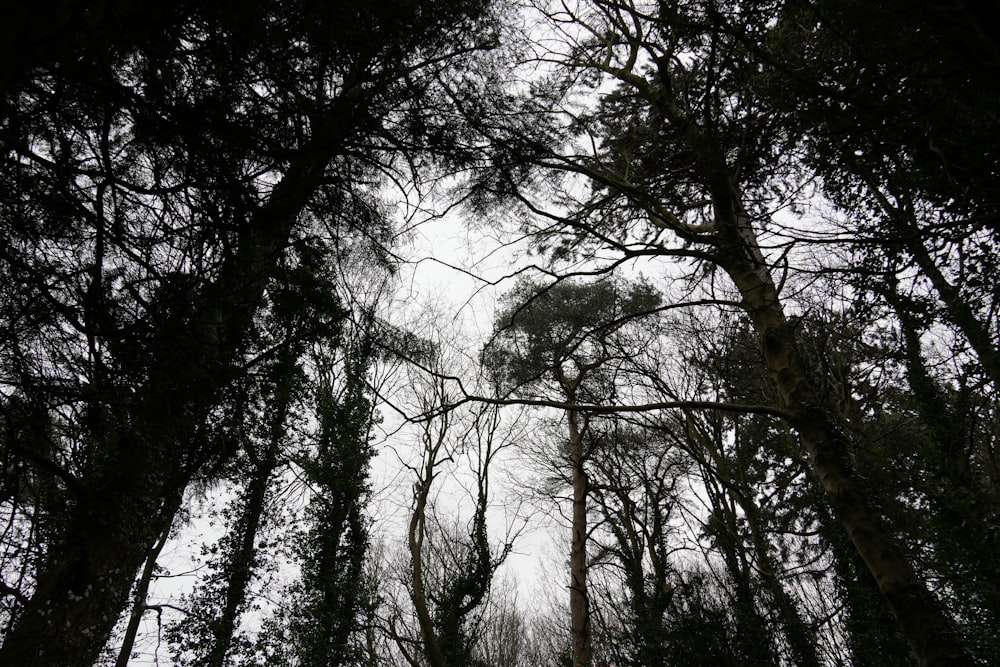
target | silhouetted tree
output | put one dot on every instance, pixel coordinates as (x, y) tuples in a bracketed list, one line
[(568, 336), (154, 177)]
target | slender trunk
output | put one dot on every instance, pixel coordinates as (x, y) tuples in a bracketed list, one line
[(415, 540), (579, 600), (240, 567), (431, 647), (904, 220), (139, 606), (335, 586)]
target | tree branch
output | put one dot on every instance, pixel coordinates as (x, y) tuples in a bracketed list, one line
[(738, 408)]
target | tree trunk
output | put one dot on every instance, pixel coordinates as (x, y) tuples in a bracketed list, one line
[(871, 633), (416, 534), (959, 311), (579, 600), (920, 616), (241, 563), (139, 606), (85, 580)]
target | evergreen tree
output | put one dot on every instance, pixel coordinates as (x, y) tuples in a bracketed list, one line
[(567, 336), (154, 176), (685, 161)]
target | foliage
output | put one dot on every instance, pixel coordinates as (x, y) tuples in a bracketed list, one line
[(156, 177), (191, 192), (570, 333)]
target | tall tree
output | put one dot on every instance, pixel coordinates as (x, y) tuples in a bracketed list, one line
[(300, 307), (567, 336), (635, 486), (452, 561), (685, 161), (323, 621), (208, 634), (152, 182)]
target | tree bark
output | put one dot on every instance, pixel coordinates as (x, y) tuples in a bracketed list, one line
[(579, 600)]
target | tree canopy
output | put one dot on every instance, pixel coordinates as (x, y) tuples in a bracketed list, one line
[(744, 337)]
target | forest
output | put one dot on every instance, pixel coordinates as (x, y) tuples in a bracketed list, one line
[(484, 333)]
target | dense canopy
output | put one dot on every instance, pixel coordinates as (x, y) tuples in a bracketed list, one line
[(723, 333)]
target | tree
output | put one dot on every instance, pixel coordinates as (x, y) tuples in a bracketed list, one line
[(567, 335), (153, 182), (302, 307), (725, 476), (452, 562), (323, 619), (208, 634), (813, 182), (685, 163), (635, 476), (897, 133)]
